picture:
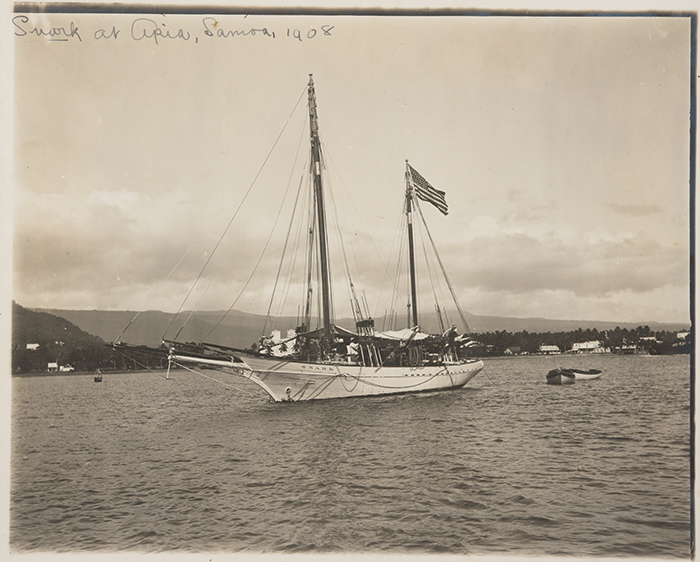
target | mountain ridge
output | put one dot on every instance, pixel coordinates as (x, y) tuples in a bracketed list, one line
[(241, 329)]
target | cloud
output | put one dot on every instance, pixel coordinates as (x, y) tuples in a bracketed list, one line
[(665, 304), (114, 249), (123, 200), (637, 210), (565, 167), (593, 265)]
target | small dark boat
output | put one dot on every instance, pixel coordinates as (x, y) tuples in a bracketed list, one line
[(567, 376), (98, 376), (561, 376)]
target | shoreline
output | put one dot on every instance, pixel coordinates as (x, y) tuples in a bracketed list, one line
[(89, 373)]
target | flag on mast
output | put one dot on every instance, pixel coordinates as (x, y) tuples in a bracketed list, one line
[(427, 192)]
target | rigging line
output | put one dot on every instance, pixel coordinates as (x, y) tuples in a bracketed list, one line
[(384, 265), (284, 250), (297, 236), (299, 239), (196, 307), (429, 268), (440, 298), (365, 303), (306, 296), (289, 229), (401, 234), (161, 286), (292, 262), (409, 301), (125, 356), (331, 300), (400, 254), (267, 243), (353, 294), (199, 300), (319, 302), (444, 271), (202, 374), (309, 257), (234, 216), (339, 233), (433, 283), (291, 267)]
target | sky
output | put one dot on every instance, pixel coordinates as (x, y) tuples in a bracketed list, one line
[(562, 144)]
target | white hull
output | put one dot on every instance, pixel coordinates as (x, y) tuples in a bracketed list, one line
[(585, 376), (291, 381)]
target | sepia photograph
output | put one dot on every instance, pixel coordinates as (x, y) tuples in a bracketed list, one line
[(350, 283)]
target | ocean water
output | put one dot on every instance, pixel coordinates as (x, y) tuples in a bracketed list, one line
[(508, 464)]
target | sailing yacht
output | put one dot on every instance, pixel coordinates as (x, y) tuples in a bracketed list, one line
[(328, 361)]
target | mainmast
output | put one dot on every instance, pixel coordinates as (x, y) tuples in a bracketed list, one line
[(412, 262), (326, 338)]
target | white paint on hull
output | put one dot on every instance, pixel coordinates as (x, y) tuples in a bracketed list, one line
[(294, 381)]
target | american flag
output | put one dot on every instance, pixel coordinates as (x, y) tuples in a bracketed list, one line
[(427, 192)]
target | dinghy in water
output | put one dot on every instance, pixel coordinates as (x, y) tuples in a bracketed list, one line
[(568, 376)]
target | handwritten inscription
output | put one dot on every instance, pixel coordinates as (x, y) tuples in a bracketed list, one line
[(22, 29), (144, 28), (149, 30), (213, 29), (104, 34)]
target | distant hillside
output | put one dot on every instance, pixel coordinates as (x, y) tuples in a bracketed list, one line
[(52, 339), (149, 327), (240, 329), (481, 324)]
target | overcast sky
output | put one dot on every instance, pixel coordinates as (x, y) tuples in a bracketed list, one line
[(562, 144)]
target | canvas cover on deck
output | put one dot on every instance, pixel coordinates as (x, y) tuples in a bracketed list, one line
[(403, 335)]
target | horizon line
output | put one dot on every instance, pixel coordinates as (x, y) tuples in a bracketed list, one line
[(687, 322)]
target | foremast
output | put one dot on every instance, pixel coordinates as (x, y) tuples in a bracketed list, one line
[(326, 339)]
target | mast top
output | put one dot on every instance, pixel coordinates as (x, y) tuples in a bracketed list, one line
[(313, 116)]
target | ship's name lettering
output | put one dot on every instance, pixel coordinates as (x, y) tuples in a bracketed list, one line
[(316, 368)]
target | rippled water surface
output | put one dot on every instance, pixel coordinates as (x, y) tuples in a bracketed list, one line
[(508, 464)]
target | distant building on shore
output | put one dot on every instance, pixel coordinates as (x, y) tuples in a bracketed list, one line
[(549, 349), (626, 349), (649, 340), (588, 347)]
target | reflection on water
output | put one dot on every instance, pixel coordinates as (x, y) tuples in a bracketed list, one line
[(508, 464)]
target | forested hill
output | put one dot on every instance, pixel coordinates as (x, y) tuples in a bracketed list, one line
[(240, 329), (52, 339), (40, 338)]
